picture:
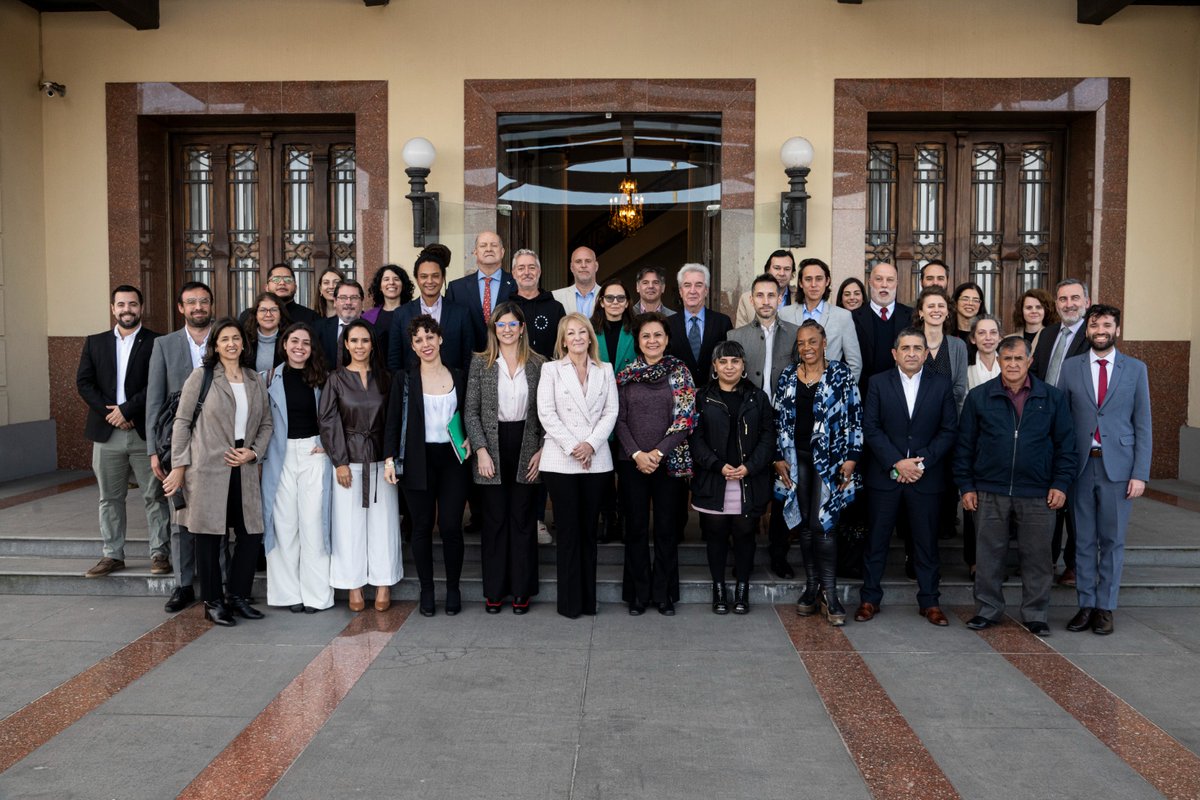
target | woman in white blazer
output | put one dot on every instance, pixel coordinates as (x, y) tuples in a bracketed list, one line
[(577, 406)]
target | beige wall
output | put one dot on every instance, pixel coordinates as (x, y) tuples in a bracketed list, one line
[(24, 377), (793, 49)]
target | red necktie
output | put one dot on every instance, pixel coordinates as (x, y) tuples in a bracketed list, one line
[(1101, 390), (487, 300), (883, 314)]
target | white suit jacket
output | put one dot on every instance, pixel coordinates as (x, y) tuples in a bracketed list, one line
[(570, 415)]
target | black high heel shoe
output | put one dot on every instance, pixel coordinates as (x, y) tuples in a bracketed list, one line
[(218, 614), (427, 607), (520, 605), (453, 601), (243, 609)]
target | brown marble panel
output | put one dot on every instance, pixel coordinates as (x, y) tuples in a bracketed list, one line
[(373, 235), (371, 152), (1166, 363), (171, 98), (244, 97), (609, 95), (326, 97), (1109, 253), (980, 94), (1080, 203), (67, 408), (900, 94)]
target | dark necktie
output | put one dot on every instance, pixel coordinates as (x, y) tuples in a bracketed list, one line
[(694, 338), (1101, 390), (487, 300)]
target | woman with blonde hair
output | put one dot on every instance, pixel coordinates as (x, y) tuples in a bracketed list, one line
[(577, 406), (502, 420)]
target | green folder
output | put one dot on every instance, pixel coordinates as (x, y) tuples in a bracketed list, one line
[(458, 436)]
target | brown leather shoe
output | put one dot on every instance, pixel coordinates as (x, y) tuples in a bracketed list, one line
[(1082, 620), (866, 612), (383, 598), (1067, 578), (160, 564), (105, 566), (356, 600), (1102, 622), (935, 616)]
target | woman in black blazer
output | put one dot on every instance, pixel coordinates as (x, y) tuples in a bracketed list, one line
[(732, 450), (421, 458)]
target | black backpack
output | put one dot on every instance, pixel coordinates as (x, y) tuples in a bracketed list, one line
[(164, 423)]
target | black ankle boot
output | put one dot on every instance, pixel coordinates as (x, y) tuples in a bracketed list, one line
[(426, 605), (825, 550), (241, 606), (453, 601), (218, 614), (741, 598), (720, 598)]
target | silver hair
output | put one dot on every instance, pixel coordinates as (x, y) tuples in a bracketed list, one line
[(1072, 282), (703, 270), (526, 252)]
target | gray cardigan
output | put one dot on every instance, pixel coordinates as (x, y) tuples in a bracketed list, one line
[(482, 419)]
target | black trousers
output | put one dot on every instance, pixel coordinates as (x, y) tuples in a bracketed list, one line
[(645, 583), (922, 511), (717, 530), (209, 548), (576, 499), (1064, 519), (508, 537), (443, 503)]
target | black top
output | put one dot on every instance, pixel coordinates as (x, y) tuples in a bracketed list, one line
[(612, 337), (940, 364), (884, 336), (1029, 337), (301, 405), (733, 400), (805, 396)]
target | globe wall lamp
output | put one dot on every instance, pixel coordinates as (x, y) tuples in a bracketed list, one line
[(796, 155), (419, 154)]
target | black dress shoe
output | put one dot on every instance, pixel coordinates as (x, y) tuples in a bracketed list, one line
[(297, 609), (181, 598), (218, 614), (741, 598), (492, 606), (978, 623), (720, 598), (310, 610), (453, 602), (1082, 620), (782, 568), (636, 608), (666, 608), (1102, 622), (243, 609), (1038, 628), (520, 605), (427, 607)]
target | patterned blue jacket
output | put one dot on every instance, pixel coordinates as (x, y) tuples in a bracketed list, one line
[(837, 437)]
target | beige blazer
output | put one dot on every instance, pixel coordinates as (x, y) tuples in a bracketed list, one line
[(571, 415), (202, 450)]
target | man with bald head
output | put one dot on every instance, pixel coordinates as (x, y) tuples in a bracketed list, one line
[(876, 323), (581, 295), (487, 288)]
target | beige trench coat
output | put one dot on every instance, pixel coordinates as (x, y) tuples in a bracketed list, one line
[(201, 450)]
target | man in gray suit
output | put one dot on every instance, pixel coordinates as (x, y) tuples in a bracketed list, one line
[(768, 341), (1109, 394), (841, 339), (172, 361)]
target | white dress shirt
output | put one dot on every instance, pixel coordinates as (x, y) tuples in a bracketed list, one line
[(124, 348), (911, 386), (197, 350), (512, 393), (891, 309), (434, 310)]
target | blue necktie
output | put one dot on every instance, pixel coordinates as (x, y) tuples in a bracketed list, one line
[(694, 338)]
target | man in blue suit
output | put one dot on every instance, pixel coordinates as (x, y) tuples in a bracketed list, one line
[(486, 288), (910, 421), (1109, 394), (457, 334)]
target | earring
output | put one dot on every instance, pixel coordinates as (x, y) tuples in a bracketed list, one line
[(713, 374)]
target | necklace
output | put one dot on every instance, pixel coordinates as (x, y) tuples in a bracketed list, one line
[(814, 381)]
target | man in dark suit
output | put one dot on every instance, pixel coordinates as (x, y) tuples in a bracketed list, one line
[(348, 301), (487, 288), (1058, 342), (910, 421), (175, 356), (1109, 396), (877, 322), (454, 319), (696, 330), (281, 282), (114, 369)]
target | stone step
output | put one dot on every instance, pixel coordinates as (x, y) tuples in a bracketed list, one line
[(1141, 585), (691, 552)]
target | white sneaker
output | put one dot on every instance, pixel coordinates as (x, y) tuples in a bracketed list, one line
[(543, 533)]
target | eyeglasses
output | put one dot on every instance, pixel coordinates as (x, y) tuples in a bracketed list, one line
[(615, 298), (344, 297), (270, 311), (280, 279), (198, 301), (509, 324)]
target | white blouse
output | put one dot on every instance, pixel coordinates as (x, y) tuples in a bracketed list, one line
[(241, 410), (977, 373), (512, 393), (439, 408)]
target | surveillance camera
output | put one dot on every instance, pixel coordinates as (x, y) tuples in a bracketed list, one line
[(52, 89)]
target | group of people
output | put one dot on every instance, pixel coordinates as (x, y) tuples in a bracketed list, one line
[(311, 434)]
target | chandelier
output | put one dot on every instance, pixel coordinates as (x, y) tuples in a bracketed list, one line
[(625, 210)]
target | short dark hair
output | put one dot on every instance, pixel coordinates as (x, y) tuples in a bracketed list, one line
[(1101, 310), (779, 254), (728, 349), (658, 271), (189, 286), (125, 287), (816, 262), (599, 316), (641, 321), (347, 282), (917, 332), (211, 358), (958, 292), (1014, 341), (282, 265), (766, 277), (424, 322), (937, 262)]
